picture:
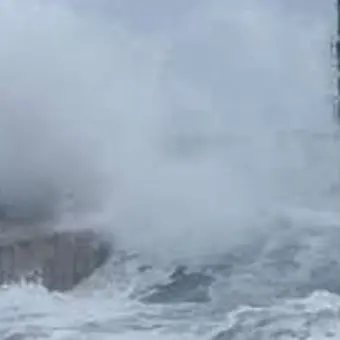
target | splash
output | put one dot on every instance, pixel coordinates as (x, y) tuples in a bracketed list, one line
[(179, 141)]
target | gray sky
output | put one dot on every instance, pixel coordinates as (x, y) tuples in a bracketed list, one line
[(158, 15)]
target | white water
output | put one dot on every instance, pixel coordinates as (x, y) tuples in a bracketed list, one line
[(187, 130)]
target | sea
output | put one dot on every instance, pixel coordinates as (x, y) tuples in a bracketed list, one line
[(203, 137)]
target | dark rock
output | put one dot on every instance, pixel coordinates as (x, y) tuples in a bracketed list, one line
[(144, 268), (60, 259), (183, 288)]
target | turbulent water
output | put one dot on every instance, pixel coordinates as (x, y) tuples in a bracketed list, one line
[(202, 135)]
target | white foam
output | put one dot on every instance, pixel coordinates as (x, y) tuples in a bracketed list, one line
[(177, 140)]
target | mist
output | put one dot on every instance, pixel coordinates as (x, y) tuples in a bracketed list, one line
[(179, 138)]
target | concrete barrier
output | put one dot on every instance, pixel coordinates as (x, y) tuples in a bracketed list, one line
[(60, 259)]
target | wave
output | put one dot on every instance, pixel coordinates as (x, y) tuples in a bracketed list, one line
[(206, 145)]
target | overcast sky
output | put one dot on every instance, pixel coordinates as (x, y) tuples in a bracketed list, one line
[(151, 15)]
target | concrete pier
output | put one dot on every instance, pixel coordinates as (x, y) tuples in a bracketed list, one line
[(59, 259)]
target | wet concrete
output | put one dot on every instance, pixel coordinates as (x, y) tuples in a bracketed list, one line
[(59, 260)]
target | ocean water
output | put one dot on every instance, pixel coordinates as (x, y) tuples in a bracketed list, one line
[(202, 136)]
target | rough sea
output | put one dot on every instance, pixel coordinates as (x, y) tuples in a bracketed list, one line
[(202, 136)]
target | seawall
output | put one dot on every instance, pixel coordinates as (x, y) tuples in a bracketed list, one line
[(59, 259)]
